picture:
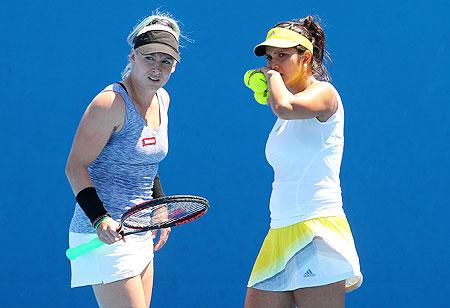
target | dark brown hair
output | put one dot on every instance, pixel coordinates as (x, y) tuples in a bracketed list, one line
[(311, 29)]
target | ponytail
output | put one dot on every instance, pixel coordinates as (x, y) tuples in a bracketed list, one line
[(311, 29)]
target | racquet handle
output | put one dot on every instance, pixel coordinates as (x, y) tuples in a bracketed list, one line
[(75, 252)]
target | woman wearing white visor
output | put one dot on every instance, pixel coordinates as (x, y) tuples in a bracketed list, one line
[(308, 258)]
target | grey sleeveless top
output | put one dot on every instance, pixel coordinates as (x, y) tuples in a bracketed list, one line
[(124, 171)]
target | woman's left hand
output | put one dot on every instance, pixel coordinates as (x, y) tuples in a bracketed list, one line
[(163, 237)]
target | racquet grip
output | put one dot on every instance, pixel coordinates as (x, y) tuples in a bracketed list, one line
[(75, 252)]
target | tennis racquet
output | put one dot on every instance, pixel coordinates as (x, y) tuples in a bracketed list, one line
[(155, 214)]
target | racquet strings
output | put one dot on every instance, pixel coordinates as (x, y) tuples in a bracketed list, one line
[(163, 214)]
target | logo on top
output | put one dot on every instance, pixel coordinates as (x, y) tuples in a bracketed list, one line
[(148, 141)]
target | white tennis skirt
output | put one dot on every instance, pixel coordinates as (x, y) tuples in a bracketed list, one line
[(310, 253), (110, 263)]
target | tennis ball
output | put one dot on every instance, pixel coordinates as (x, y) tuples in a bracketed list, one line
[(247, 76), (261, 97), (255, 81)]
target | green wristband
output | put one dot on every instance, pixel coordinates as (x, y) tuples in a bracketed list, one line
[(100, 220)]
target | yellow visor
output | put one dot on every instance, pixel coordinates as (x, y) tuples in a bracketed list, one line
[(283, 38)]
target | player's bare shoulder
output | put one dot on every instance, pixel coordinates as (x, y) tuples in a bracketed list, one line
[(329, 94), (109, 106)]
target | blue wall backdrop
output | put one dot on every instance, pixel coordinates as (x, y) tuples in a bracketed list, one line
[(391, 62)]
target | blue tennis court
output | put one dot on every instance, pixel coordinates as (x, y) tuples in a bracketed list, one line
[(390, 65)]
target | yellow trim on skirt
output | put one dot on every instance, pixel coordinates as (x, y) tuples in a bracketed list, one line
[(281, 244)]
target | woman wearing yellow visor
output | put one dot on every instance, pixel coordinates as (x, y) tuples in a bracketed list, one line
[(308, 258)]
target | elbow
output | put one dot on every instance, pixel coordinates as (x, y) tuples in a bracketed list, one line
[(72, 169), (283, 115), (69, 169), (282, 111)]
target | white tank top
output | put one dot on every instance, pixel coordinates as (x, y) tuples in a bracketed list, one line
[(306, 158)]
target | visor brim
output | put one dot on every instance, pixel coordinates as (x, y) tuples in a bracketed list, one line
[(260, 50), (158, 47)]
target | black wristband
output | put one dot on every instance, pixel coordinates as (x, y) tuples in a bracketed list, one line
[(90, 203), (157, 188)]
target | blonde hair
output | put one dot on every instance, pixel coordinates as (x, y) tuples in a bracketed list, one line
[(157, 18)]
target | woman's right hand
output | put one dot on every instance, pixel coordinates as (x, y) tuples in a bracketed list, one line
[(108, 231)]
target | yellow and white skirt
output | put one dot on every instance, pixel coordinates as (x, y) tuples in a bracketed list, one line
[(310, 253)]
